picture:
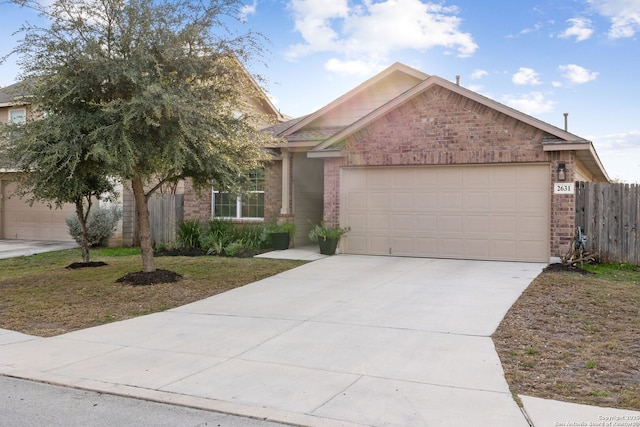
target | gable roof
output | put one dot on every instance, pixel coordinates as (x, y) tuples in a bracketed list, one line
[(411, 77), (305, 133), (11, 95)]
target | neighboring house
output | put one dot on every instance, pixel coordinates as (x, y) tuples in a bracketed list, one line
[(19, 219), (419, 166)]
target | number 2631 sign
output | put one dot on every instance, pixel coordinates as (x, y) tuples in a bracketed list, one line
[(563, 188)]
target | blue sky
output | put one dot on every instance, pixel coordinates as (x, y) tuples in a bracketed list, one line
[(543, 57)]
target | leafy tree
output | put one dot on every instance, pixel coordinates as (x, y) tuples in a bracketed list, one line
[(164, 87), (53, 154)]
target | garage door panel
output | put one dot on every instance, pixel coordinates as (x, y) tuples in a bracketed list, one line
[(378, 245), (503, 224), (450, 247), (450, 200), (375, 180), (378, 223), (496, 212), (477, 249), (402, 246), (504, 201), (356, 200), (503, 250), (403, 224), (477, 178), (450, 224), (357, 243), (358, 223), (477, 224), (425, 201), (477, 201), (427, 246), (403, 178), (402, 202), (32, 222), (378, 201), (449, 178), (528, 249), (530, 200), (528, 225), (427, 224)]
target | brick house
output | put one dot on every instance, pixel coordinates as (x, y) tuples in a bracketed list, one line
[(420, 166)]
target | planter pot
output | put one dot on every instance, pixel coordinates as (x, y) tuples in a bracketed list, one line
[(279, 241), (328, 246)]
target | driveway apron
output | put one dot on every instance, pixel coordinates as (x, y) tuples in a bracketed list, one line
[(345, 340)]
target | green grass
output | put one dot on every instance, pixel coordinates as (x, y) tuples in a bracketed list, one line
[(628, 273), (40, 296)]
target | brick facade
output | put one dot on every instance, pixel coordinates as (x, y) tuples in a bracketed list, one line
[(197, 205), (440, 127), (272, 190)]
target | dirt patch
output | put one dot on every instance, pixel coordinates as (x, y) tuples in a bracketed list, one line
[(574, 337), (142, 278)]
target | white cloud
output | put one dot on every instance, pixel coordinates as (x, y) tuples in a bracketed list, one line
[(624, 16), (370, 31), (248, 9), (478, 74), (620, 154), (526, 76), (580, 28), (356, 67), (577, 74), (537, 27), (530, 103)]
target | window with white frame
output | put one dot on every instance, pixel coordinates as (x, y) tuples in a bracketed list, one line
[(18, 116), (249, 205)]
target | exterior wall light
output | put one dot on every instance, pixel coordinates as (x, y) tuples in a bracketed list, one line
[(561, 172)]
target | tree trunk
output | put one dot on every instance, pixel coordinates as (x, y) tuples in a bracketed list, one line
[(84, 244), (142, 211)]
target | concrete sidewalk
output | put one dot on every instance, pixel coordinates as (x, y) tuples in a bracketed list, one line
[(345, 340)]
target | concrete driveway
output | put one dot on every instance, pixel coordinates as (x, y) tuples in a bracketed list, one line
[(346, 340), (16, 248)]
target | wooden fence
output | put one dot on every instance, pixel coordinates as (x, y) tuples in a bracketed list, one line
[(165, 212), (609, 215)]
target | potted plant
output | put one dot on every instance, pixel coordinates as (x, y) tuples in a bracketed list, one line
[(327, 237), (281, 234)]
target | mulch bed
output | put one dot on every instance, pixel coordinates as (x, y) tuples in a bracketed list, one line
[(559, 267), (141, 278), (90, 264)]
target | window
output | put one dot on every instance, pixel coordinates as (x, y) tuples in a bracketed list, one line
[(249, 205), (18, 116)]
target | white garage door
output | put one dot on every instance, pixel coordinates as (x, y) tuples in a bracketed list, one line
[(465, 212), (18, 220)]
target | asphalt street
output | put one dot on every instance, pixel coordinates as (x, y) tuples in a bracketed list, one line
[(27, 403)]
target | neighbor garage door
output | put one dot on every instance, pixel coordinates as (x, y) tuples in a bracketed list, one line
[(18, 220), (466, 212)]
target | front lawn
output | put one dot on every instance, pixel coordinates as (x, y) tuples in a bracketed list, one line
[(40, 296), (575, 337)]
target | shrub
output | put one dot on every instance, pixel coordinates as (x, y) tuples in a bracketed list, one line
[(189, 233), (235, 248), (100, 225)]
